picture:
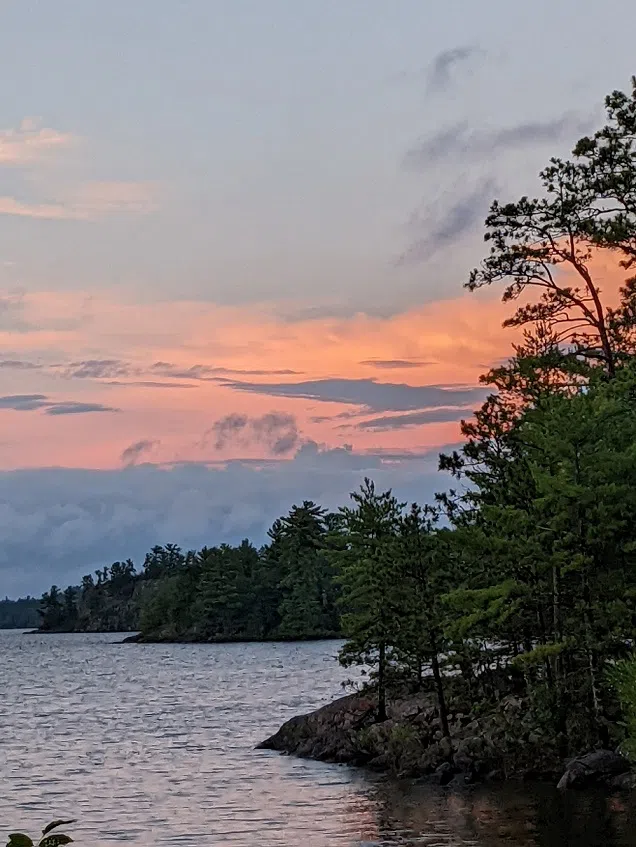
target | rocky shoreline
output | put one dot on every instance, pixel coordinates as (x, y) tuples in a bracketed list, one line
[(145, 638), (495, 746)]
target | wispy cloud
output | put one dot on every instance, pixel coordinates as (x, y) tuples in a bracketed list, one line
[(149, 383), (134, 452), (31, 143), (18, 365), (209, 373), (447, 222), (425, 416), (463, 142), (97, 369), (23, 402), (73, 407), (440, 71), (40, 211), (33, 402), (97, 199), (393, 364), (367, 393), (91, 202)]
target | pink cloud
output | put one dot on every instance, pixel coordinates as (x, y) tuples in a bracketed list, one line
[(457, 339), (92, 201), (31, 143)]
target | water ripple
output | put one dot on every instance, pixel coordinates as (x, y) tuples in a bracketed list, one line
[(154, 745)]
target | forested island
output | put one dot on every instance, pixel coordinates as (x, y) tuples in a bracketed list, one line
[(498, 622), (19, 614), (286, 589)]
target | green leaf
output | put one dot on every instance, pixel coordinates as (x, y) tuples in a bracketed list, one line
[(55, 840), (19, 839), (54, 825)]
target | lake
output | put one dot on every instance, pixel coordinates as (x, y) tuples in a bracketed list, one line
[(154, 745)]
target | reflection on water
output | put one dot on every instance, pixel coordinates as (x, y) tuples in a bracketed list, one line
[(496, 816), (153, 745)]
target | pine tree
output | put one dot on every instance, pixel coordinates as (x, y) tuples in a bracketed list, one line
[(373, 591)]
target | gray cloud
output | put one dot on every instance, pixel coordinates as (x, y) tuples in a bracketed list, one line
[(97, 369), (339, 416), (149, 383), (18, 365), (442, 226), (72, 407), (440, 70), (461, 141), (116, 371), (426, 416), (134, 452), (57, 524), (276, 431), (227, 428), (23, 402), (208, 373), (369, 394), (32, 402), (393, 364)]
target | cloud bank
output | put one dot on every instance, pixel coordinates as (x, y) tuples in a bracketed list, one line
[(57, 524)]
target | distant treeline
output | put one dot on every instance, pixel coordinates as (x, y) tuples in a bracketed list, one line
[(19, 614), (284, 590)]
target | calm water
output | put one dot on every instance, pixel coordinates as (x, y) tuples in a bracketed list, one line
[(153, 745)]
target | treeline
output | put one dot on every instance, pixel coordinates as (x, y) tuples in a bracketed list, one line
[(284, 590), (523, 578), (19, 614)]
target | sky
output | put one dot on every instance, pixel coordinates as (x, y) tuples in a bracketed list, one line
[(233, 239)]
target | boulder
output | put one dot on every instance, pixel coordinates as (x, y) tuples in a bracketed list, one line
[(623, 782), (597, 766), (444, 773)]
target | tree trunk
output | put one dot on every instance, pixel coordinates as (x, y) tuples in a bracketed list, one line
[(420, 672), (439, 685), (382, 683)]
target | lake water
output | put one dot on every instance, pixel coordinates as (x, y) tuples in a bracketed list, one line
[(153, 745)]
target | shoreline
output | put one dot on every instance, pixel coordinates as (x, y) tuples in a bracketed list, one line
[(145, 639), (136, 637), (497, 746)]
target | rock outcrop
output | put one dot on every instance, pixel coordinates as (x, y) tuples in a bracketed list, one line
[(500, 744), (411, 743), (604, 766)]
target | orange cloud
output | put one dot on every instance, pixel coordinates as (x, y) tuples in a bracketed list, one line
[(451, 342), (101, 349)]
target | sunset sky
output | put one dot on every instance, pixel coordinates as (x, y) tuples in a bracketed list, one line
[(233, 237)]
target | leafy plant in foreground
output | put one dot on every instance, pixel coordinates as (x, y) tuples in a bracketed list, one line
[(49, 838)]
